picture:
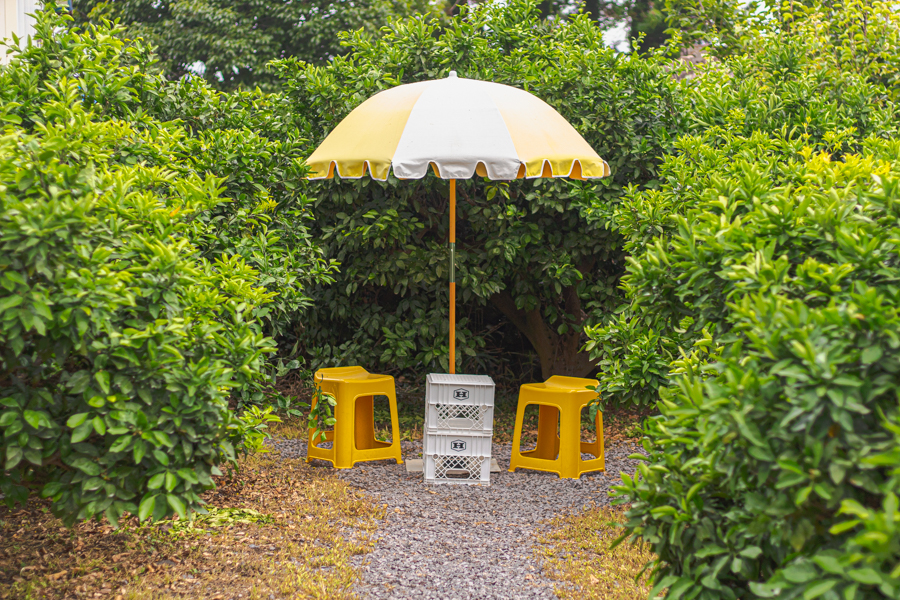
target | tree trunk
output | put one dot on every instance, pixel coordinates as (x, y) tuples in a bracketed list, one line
[(559, 354)]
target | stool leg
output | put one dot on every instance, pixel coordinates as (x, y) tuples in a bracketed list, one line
[(601, 450), (570, 444), (547, 446), (395, 424), (364, 423), (517, 436), (345, 415), (595, 448)]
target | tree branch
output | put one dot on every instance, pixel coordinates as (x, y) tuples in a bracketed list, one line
[(504, 302)]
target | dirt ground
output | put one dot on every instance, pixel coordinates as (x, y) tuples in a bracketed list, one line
[(261, 520), (276, 529)]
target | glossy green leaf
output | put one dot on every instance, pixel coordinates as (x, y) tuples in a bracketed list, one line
[(177, 505), (146, 507), (77, 419), (33, 418)]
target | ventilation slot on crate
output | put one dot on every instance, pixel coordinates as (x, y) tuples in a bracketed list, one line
[(458, 469), (461, 416)]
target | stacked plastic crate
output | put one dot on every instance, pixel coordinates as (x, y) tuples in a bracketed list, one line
[(459, 426)]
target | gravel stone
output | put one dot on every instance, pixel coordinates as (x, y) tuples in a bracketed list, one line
[(466, 541)]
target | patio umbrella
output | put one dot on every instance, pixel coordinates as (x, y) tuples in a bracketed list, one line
[(458, 127)]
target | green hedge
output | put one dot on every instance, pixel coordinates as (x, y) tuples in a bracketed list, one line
[(768, 265), (770, 472), (131, 305), (784, 91), (229, 42)]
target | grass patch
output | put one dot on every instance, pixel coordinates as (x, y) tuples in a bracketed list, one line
[(275, 528), (576, 554)]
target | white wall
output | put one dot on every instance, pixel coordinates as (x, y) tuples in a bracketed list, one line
[(14, 18)]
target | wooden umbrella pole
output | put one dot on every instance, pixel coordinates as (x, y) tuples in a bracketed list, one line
[(452, 276)]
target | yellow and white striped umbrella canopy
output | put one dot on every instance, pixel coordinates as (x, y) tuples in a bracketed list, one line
[(459, 127)]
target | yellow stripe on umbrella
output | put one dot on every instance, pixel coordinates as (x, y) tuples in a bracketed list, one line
[(458, 127)]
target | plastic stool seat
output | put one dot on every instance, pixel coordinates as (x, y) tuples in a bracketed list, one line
[(353, 438), (560, 401)]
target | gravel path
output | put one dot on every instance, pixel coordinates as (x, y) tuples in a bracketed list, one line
[(461, 541)]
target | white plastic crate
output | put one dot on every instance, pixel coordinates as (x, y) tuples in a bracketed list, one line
[(443, 388), (457, 458), (463, 403)]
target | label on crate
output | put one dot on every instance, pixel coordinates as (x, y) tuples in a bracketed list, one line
[(458, 445), (460, 394)]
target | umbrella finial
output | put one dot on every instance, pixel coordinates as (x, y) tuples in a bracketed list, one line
[(452, 75)]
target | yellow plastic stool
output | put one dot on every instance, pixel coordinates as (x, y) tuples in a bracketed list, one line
[(560, 400), (353, 438)]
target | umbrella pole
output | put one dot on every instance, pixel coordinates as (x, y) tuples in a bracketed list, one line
[(452, 276)]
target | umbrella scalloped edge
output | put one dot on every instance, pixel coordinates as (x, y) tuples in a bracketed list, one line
[(358, 171)]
